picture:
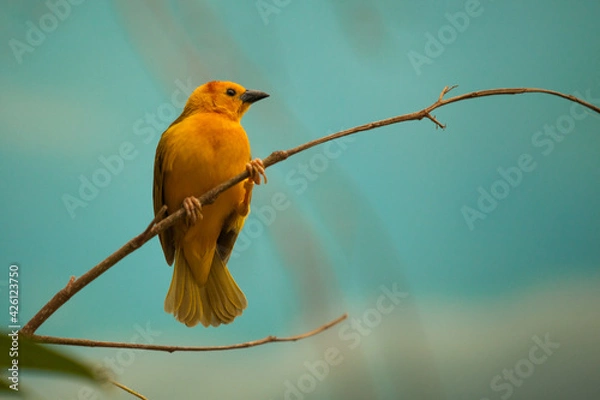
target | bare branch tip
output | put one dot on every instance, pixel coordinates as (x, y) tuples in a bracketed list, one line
[(446, 90), (128, 390), (435, 121)]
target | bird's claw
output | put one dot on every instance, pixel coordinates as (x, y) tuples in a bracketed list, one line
[(193, 209), (256, 169)]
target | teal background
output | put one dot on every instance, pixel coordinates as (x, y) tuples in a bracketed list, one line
[(382, 208)]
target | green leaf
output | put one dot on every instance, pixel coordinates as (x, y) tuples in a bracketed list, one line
[(4, 386), (29, 355)]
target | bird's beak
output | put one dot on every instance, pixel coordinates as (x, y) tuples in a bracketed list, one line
[(251, 96)]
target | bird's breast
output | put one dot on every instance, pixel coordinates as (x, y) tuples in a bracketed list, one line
[(202, 152)]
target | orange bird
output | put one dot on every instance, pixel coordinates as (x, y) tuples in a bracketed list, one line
[(202, 148)]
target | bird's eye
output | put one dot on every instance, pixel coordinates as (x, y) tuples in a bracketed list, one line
[(230, 92)]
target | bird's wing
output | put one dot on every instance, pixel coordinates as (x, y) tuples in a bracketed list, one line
[(166, 237), (229, 233)]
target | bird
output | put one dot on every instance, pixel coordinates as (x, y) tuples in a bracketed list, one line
[(205, 146)]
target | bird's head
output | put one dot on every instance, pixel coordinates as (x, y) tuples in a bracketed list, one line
[(223, 97)]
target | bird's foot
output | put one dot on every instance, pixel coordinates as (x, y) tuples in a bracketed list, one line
[(256, 169), (193, 209)]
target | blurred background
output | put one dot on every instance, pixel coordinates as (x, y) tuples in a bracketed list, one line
[(467, 258)]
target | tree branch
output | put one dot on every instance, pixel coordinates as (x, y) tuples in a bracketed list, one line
[(159, 224), (171, 349)]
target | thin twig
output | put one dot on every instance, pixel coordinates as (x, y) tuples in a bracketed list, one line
[(435, 121), (171, 349), (158, 225), (129, 390)]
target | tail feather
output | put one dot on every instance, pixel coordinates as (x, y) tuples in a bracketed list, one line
[(219, 301)]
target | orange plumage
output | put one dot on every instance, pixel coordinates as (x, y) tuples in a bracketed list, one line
[(205, 146)]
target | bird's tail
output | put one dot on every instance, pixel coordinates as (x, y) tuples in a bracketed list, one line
[(219, 301)]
